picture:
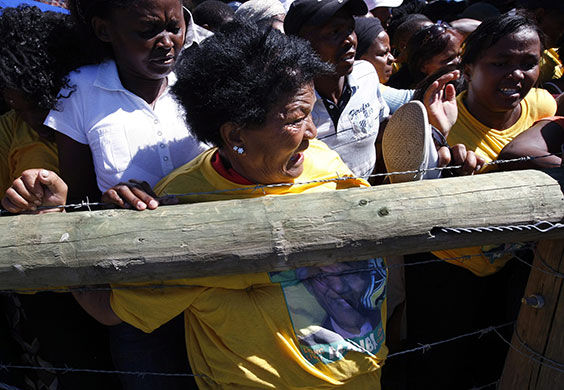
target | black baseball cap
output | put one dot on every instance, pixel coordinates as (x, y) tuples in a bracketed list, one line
[(317, 12)]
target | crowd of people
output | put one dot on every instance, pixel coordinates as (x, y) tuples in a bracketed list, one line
[(142, 104)]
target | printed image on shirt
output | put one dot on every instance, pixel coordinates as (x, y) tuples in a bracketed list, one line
[(336, 308), (362, 120)]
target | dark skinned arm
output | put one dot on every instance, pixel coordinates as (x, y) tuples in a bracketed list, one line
[(542, 138), (77, 169)]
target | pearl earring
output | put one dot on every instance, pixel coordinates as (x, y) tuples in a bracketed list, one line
[(239, 149)]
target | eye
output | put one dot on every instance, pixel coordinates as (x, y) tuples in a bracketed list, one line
[(173, 28), (150, 32), (529, 65)]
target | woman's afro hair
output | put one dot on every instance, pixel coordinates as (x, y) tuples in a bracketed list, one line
[(37, 51), (237, 75)]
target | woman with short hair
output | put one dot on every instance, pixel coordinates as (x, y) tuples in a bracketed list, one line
[(251, 95)]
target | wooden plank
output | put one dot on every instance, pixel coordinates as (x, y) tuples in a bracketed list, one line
[(540, 329), (273, 233), (549, 378)]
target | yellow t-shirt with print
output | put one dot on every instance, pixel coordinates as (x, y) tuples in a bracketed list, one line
[(21, 148), (488, 143), (550, 66), (278, 329)]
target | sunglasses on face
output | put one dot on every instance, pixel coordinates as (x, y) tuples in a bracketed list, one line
[(435, 31)]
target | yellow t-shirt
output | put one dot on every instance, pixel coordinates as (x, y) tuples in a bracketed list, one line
[(550, 66), (308, 328), (488, 143), (21, 148)]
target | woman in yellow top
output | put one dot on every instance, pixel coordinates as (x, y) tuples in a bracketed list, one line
[(251, 96), (501, 65), (37, 50)]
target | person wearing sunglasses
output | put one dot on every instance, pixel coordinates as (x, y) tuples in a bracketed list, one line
[(428, 50)]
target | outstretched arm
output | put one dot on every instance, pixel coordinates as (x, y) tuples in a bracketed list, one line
[(543, 138), (97, 304)]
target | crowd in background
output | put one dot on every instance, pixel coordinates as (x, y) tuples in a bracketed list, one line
[(142, 104)]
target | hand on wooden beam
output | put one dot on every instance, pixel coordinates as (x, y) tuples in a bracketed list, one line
[(134, 193), (35, 189)]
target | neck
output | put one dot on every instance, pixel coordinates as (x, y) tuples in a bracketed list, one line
[(148, 90), (330, 87), (499, 120)]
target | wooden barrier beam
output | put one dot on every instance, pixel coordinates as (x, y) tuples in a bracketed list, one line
[(538, 340), (273, 233)]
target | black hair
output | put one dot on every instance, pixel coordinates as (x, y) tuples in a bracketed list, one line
[(239, 74), (37, 51), (422, 47), (213, 13), (83, 11), (406, 29), (490, 31), (403, 13), (459, 84)]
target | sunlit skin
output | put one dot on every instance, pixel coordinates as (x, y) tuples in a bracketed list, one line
[(380, 56), (273, 150), (335, 41), (146, 40), (450, 55), (502, 77)]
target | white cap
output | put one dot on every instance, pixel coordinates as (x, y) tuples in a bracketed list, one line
[(371, 4)]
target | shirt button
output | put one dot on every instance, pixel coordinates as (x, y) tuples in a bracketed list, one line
[(331, 106), (159, 133), (156, 121), (165, 158), (162, 145)]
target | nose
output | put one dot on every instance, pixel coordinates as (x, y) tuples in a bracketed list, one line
[(310, 129), (517, 74), (337, 283), (165, 41), (391, 58)]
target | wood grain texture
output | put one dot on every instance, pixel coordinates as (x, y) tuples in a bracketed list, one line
[(542, 330), (273, 233)]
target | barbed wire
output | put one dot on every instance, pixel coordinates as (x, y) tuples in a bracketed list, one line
[(532, 266), (496, 383), (4, 366), (500, 252), (427, 347), (262, 187), (534, 357)]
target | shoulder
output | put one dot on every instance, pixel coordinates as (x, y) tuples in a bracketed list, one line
[(540, 103), (364, 69), (85, 75), (323, 162), (188, 177)]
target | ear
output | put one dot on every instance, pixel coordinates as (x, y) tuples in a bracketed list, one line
[(101, 29), (231, 135), (467, 72)]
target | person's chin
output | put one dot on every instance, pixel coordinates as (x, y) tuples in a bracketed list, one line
[(158, 70), (345, 68)]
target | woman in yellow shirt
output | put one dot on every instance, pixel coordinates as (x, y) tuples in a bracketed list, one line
[(314, 327), (501, 65)]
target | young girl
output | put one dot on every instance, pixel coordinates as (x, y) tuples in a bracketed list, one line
[(121, 123)]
